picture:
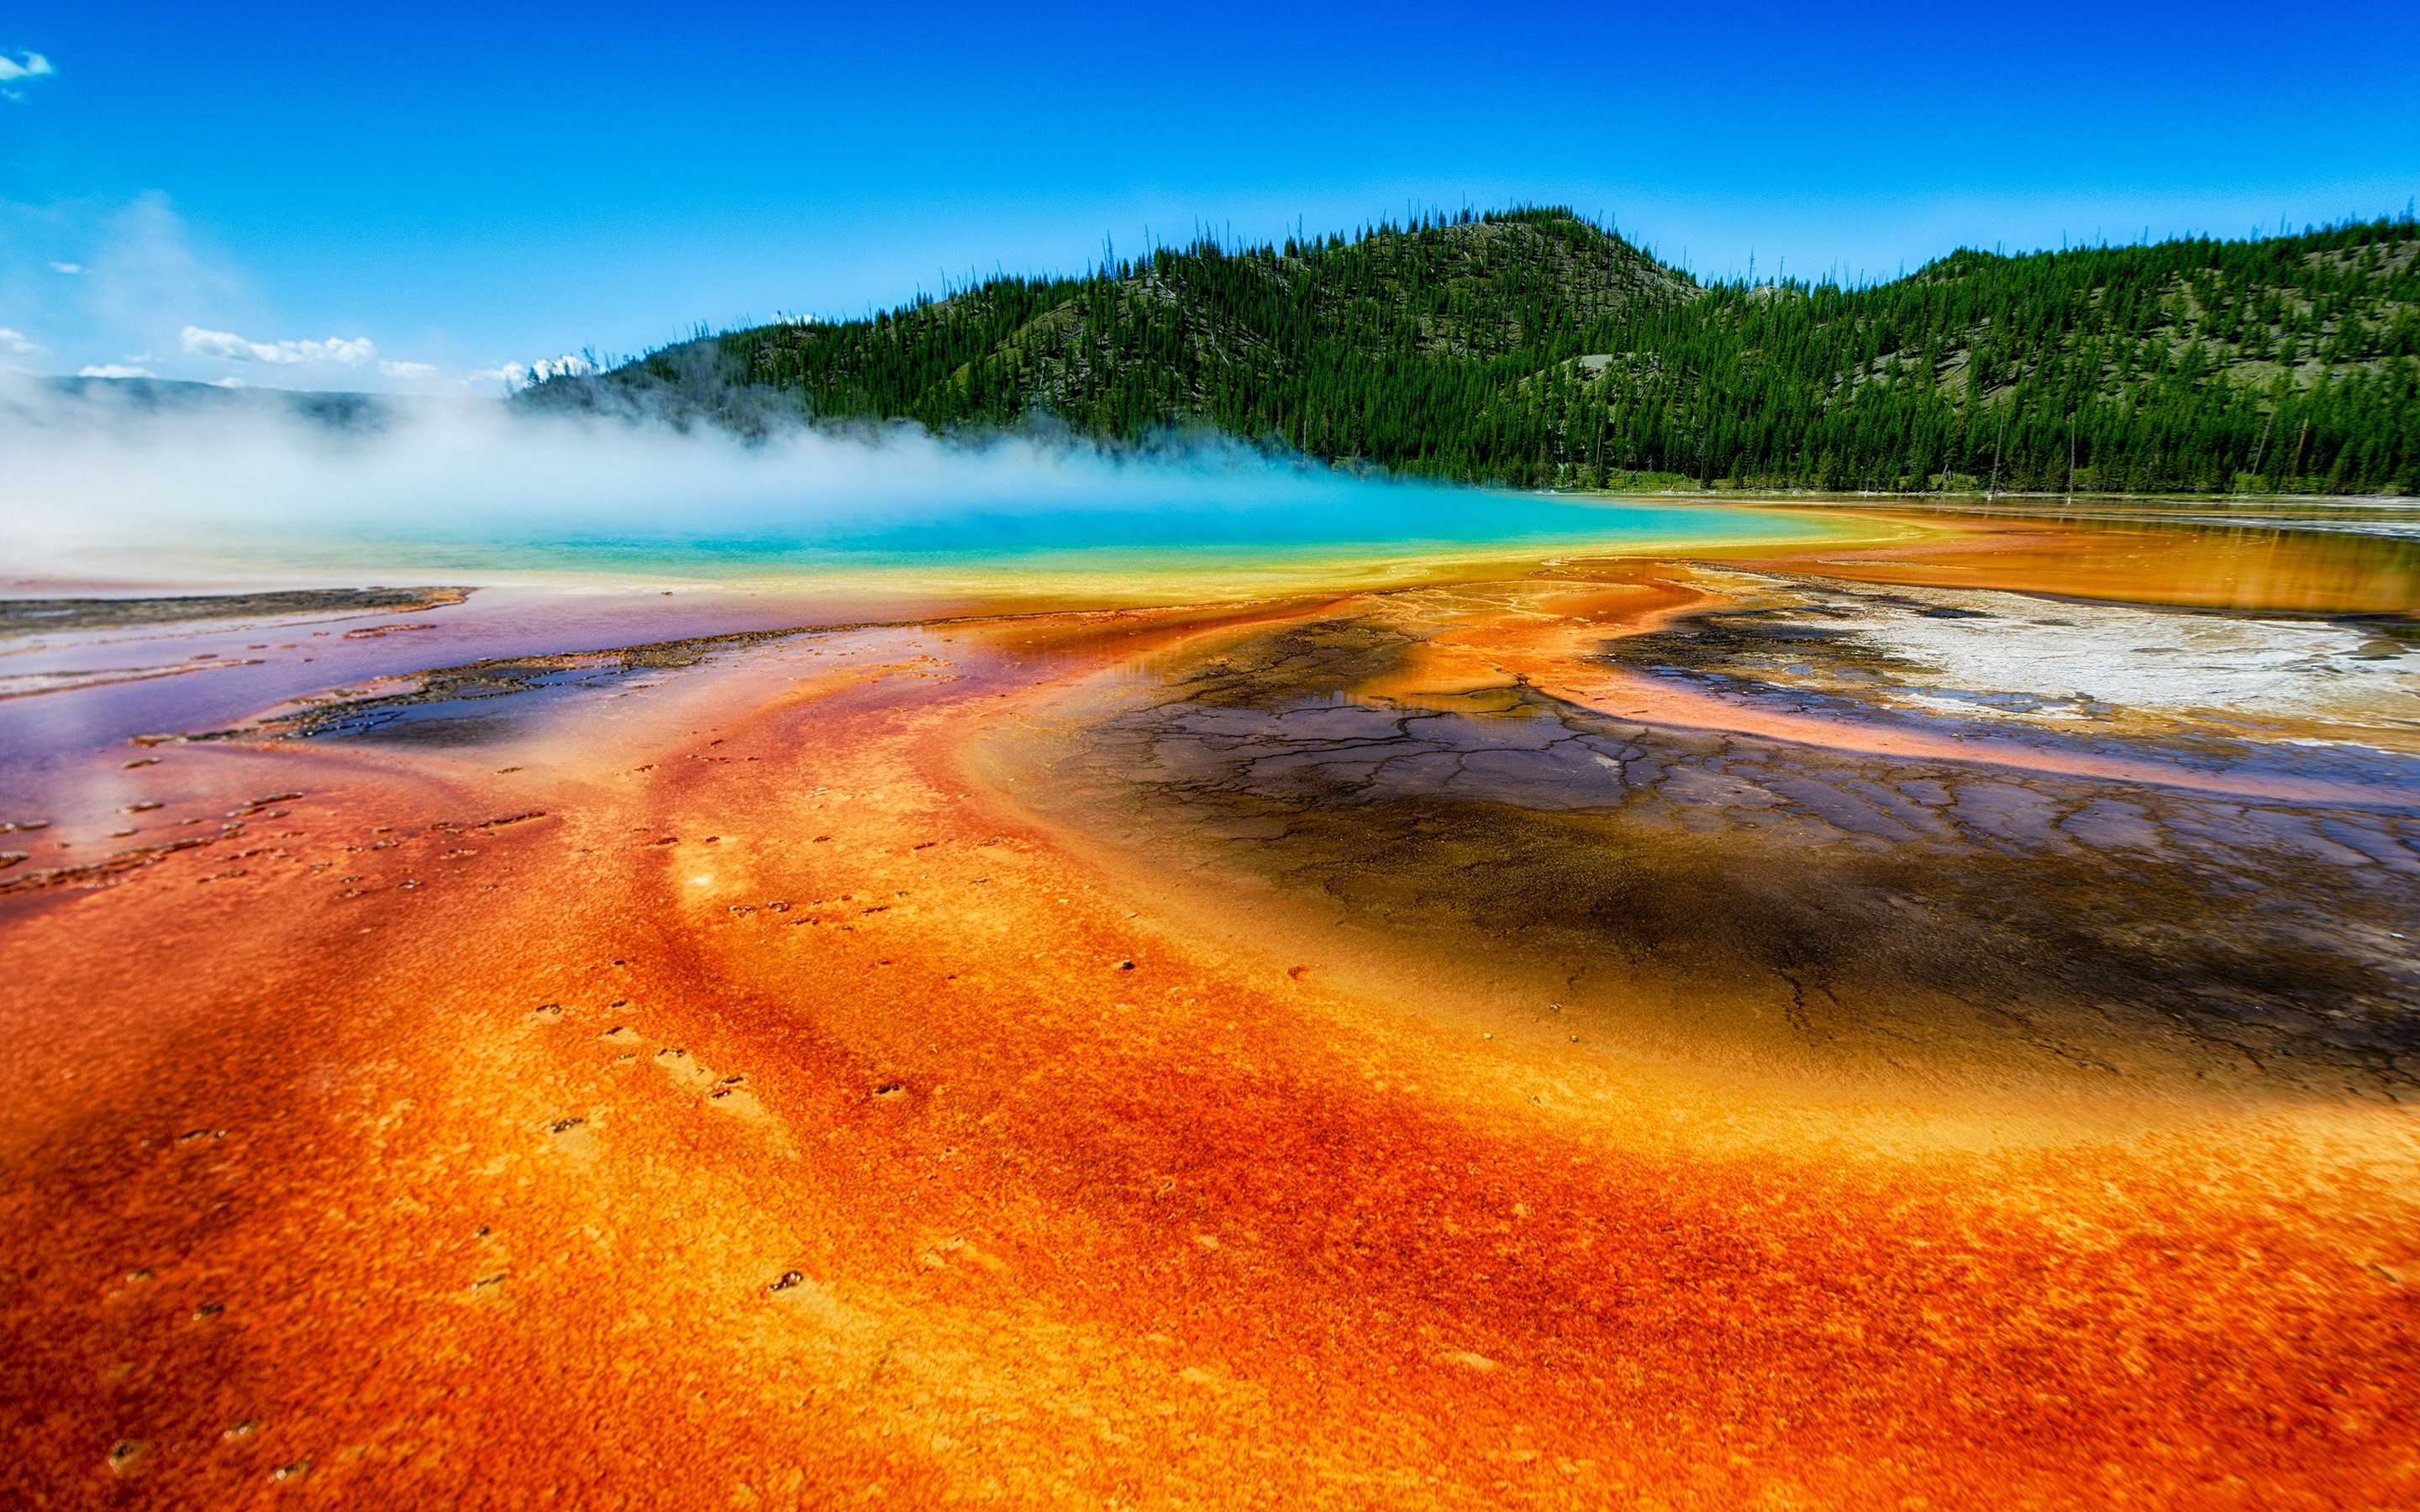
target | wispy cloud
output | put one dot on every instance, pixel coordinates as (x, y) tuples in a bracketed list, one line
[(143, 277), (24, 65), (235, 349), (114, 370), (14, 342), (126, 283)]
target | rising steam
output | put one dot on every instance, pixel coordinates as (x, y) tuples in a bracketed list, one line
[(109, 478)]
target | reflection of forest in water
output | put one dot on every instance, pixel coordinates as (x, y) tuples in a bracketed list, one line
[(2295, 557)]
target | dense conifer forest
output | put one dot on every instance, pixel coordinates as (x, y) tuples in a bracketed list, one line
[(1534, 347)]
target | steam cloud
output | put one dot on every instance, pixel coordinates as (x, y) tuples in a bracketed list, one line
[(144, 480)]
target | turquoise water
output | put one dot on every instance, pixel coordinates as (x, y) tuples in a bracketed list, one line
[(486, 490), (1192, 530)]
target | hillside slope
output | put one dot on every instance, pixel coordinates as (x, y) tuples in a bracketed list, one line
[(1533, 346)]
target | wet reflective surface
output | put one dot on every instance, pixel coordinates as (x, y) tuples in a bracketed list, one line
[(2291, 557)]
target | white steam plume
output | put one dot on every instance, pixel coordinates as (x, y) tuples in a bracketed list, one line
[(135, 480)]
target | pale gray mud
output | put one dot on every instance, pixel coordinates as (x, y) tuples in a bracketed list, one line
[(455, 706), (32, 616)]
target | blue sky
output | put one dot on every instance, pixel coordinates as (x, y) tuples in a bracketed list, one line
[(388, 196)]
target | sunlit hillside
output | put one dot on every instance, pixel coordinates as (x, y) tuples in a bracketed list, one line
[(1533, 346)]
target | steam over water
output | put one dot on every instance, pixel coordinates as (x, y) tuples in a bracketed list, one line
[(162, 482)]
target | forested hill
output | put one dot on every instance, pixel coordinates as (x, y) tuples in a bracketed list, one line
[(1533, 346)]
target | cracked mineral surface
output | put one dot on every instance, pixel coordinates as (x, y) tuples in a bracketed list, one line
[(2105, 901)]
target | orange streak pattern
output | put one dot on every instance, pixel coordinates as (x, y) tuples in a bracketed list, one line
[(450, 1196)]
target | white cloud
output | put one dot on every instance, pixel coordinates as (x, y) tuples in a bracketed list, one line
[(565, 365), (16, 344), (230, 381), (407, 369), (67, 268), (226, 344), (114, 370), (33, 67)]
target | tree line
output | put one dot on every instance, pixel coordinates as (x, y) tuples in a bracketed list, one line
[(1532, 346)]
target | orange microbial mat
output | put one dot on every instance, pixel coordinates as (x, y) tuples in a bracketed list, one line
[(1922, 1020)]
